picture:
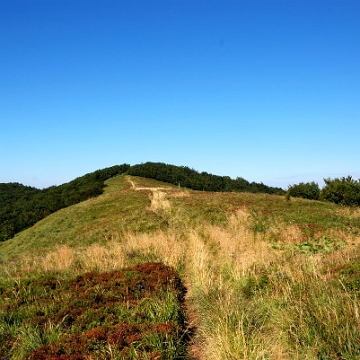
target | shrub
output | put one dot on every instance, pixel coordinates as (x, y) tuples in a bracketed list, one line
[(344, 191), (305, 190)]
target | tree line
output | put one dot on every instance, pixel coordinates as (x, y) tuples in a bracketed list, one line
[(192, 179), (343, 191), (22, 206)]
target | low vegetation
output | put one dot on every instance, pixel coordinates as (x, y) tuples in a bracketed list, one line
[(265, 277), (133, 313)]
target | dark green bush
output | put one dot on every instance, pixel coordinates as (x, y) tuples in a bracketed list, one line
[(305, 190), (344, 191)]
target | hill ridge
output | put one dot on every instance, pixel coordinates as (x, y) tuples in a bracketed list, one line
[(22, 206), (265, 276)]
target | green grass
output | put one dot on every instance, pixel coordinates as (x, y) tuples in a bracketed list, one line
[(94, 221), (119, 209), (268, 278)]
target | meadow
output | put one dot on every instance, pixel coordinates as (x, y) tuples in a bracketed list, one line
[(201, 275)]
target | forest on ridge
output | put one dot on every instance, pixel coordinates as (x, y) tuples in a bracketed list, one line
[(22, 206)]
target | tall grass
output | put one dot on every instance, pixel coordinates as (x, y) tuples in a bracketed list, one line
[(262, 281), (266, 303)]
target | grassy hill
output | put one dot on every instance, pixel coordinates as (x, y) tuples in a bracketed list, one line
[(265, 277), (23, 206)]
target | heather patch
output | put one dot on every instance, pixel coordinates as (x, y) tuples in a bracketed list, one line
[(133, 313)]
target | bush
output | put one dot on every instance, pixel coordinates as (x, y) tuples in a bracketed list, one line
[(305, 190), (344, 191)]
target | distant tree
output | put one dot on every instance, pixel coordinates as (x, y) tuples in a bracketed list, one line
[(308, 190), (345, 191)]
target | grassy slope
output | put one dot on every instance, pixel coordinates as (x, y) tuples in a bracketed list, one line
[(94, 221), (120, 209), (266, 277)]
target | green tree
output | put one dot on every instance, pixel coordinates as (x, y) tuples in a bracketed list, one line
[(345, 191), (308, 190)]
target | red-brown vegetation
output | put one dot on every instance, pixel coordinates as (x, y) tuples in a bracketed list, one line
[(102, 312)]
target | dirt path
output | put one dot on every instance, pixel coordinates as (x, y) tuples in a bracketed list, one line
[(195, 344), (137, 188), (159, 200), (158, 197)]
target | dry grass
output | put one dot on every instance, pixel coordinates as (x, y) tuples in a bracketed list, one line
[(239, 249), (221, 260), (200, 263), (252, 300), (291, 234), (167, 247), (349, 211), (159, 201), (163, 247), (216, 261), (58, 260)]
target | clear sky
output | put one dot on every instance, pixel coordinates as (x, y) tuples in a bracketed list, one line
[(264, 90)]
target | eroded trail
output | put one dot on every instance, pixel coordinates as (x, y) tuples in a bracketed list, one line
[(159, 201), (159, 195)]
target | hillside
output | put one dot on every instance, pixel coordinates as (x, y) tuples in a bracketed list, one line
[(265, 277), (22, 206)]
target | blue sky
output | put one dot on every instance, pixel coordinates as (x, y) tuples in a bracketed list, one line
[(264, 90)]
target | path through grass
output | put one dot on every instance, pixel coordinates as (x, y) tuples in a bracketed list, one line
[(267, 278)]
